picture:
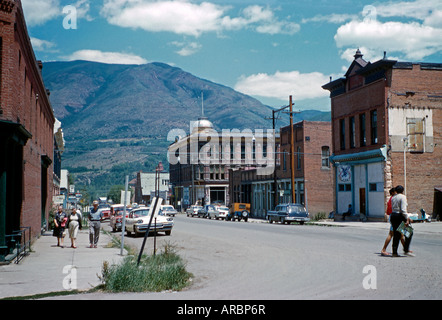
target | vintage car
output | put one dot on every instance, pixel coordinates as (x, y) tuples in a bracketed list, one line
[(138, 221), (208, 211), (116, 216), (223, 212), (288, 213), (168, 210), (193, 210), (239, 211)]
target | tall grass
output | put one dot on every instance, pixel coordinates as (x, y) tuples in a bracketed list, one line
[(164, 271)]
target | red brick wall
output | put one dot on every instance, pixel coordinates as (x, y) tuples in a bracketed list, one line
[(354, 103), (310, 136), (424, 170), (23, 99)]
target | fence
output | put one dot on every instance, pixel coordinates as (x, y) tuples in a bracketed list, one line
[(19, 244)]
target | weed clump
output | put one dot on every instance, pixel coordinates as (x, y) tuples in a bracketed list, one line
[(160, 272)]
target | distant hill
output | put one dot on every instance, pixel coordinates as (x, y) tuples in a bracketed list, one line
[(118, 116)]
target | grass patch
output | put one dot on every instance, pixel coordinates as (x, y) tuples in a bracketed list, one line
[(164, 271)]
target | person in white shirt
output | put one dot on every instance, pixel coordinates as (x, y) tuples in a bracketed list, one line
[(399, 213)]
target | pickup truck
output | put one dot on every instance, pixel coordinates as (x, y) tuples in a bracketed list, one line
[(288, 213)]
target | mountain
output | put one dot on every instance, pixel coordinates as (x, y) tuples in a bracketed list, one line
[(118, 116)]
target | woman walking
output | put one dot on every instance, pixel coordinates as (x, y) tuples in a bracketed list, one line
[(60, 225), (74, 224)]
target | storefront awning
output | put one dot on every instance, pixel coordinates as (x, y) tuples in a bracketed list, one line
[(361, 157)]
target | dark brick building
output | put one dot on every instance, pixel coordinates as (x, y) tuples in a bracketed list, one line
[(26, 132), (384, 115)]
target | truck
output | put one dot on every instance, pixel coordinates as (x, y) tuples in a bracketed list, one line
[(239, 211)]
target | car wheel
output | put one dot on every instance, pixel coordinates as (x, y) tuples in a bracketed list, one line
[(168, 232)]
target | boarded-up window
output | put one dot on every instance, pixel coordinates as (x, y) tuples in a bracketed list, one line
[(416, 134)]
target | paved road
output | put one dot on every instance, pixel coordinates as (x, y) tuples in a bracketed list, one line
[(238, 260)]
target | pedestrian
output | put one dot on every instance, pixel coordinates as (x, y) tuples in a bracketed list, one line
[(391, 231), (59, 226), (95, 217), (348, 213), (398, 215), (74, 224)]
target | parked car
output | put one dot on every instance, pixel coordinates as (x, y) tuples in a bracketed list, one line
[(138, 221), (239, 211), (116, 216), (223, 212), (193, 210), (288, 213), (105, 209), (208, 211), (168, 210)]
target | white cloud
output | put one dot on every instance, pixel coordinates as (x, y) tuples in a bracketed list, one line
[(331, 18), (38, 12), (42, 45), (186, 49), (283, 84), (419, 9), (415, 41), (187, 18), (106, 57)]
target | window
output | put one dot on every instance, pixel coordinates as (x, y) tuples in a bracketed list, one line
[(342, 133), (299, 158), (284, 161), (374, 126), (325, 157), (344, 187), (363, 138), (352, 133), (416, 134)]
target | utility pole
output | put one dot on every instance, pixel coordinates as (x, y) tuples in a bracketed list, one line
[(292, 159), (292, 152)]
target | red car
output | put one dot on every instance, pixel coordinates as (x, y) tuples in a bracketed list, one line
[(116, 216)]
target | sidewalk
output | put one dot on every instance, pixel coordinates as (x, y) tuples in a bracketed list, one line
[(48, 268)]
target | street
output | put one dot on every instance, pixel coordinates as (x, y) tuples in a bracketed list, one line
[(238, 260)]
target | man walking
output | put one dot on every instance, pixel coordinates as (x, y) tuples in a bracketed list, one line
[(399, 213), (94, 225)]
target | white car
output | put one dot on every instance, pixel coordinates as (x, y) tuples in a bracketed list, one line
[(223, 212), (138, 221), (193, 210), (168, 210)]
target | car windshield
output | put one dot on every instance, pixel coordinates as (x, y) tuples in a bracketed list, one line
[(223, 208), (141, 213), (297, 209), (167, 208)]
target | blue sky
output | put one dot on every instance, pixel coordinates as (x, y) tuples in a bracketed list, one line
[(268, 49)]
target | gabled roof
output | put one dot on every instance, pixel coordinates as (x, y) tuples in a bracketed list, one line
[(357, 63)]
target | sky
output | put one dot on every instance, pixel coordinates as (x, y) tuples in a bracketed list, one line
[(267, 49)]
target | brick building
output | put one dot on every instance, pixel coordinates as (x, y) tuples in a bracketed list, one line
[(384, 115), (26, 132), (313, 175)]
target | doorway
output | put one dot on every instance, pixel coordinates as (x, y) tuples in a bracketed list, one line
[(362, 202)]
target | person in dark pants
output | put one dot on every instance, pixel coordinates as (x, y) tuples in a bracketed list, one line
[(348, 213), (95, 217), (399, 215)]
